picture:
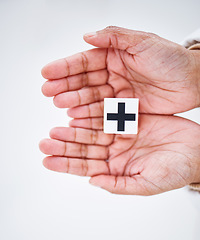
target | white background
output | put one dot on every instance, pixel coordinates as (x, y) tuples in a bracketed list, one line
[(36, 203)]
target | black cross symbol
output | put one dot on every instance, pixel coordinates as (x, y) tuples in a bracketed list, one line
[(121, 117)]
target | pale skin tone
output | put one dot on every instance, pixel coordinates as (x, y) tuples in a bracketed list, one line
[(165, 154)]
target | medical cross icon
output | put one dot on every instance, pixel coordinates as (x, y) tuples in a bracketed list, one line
[(121, 116)]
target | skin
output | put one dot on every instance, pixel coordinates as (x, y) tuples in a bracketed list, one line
[(165, 154)]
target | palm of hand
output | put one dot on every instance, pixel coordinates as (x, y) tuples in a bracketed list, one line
[(156, 71), (157, 159), (158, 76), (154, 161)]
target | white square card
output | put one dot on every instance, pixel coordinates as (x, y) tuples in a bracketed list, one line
[(121, 115)]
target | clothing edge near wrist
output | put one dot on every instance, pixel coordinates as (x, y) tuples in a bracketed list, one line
[(194, 46), (195, 186)]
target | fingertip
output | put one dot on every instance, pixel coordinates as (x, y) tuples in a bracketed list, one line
[(71, 123), (46, 162), (57, 132), (107, 183), (40, 145), (75, 112), (55, 69), (58, 102), (57, 164), (45, 71), (53, 133), (95, 181), (65, 100), (88, 36), (44, 90), (91, 34), (69, 112), (76, 123), (43, 145)]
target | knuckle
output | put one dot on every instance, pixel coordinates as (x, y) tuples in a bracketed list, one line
[(152, 35), (94, 137), (67, 165), (97, 123), (85, 79), (84, 62), (101, 107), (89, 110), (114, 29), (83, 151), (84, 167), (96, 94)]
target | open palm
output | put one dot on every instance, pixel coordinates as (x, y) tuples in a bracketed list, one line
[(128, 64), (163, 156)]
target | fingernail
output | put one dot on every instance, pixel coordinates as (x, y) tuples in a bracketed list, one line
[(92, 34)]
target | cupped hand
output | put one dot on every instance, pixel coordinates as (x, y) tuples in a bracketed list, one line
[(127, 63), (165, 155)]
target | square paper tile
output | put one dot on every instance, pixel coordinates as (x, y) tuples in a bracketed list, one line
[(121, 115)]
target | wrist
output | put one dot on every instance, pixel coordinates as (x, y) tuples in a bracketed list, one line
[(195, 53)]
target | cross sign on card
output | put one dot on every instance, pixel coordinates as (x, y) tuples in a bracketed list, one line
[(121, 115)]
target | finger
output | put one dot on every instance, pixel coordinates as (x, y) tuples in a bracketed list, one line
[(69, 149), (71, 83), (83, 96), (116, 37), (76, 166), (122, 184), (86, 111), (91, 60), (80, 135), (90, 123)]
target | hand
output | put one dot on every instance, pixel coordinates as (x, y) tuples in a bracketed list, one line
[(165, 154), (162, 74)]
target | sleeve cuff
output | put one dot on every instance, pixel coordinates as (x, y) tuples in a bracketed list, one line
[(194, 47), (195, 186), (193, 43), (192, 39)]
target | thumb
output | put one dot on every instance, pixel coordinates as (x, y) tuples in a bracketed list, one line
[(123, 185), (119, 38)]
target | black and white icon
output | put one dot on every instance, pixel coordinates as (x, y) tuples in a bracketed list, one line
[(121, 115)]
